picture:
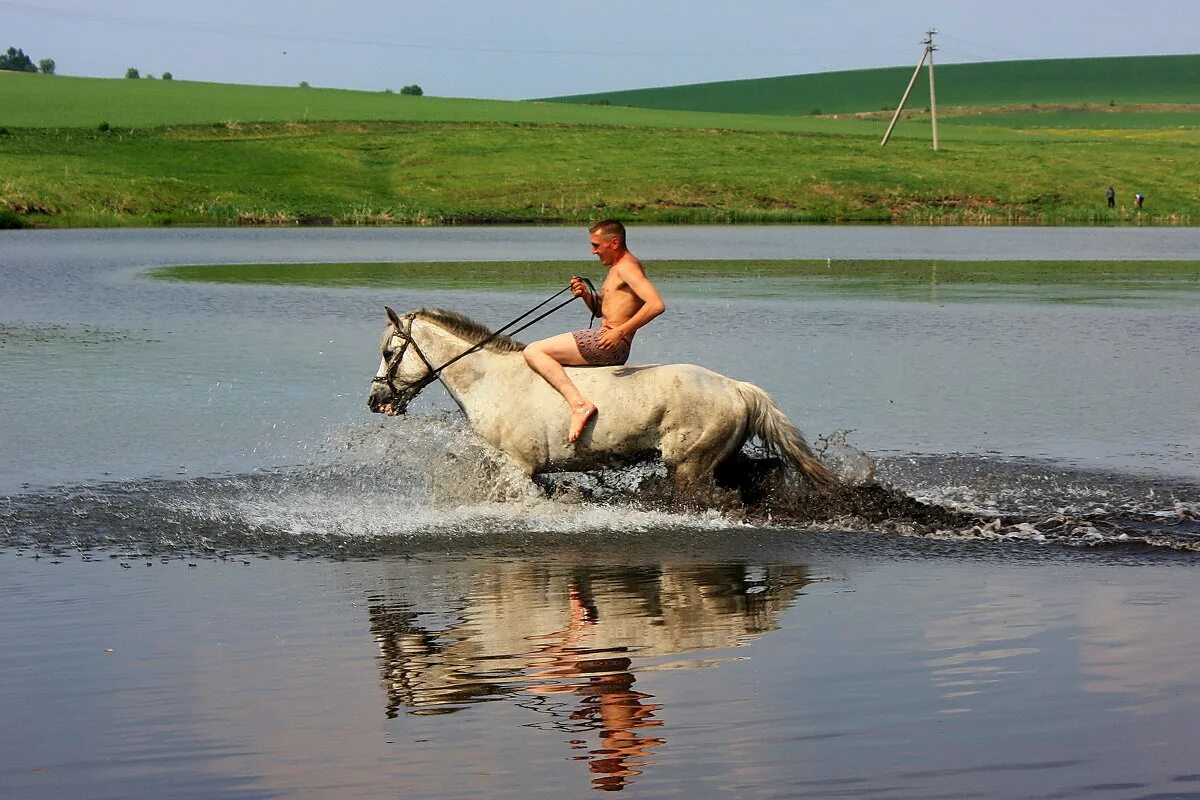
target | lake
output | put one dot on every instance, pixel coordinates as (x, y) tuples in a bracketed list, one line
[(223, 577)]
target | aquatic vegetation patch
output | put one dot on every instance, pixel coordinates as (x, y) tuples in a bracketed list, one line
[(915, 279)]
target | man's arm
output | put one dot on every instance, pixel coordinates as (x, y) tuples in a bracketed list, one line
[(652, 303)]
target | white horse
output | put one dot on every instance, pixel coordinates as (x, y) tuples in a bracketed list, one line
[(693, 417)]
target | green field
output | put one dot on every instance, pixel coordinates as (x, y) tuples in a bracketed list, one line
[(178, 152), (1134, 79), (56, 101), (1081, 118), (917, 279), (395, 173)]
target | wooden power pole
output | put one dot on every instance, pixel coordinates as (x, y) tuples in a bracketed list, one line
[(927, 53), (929, 48)]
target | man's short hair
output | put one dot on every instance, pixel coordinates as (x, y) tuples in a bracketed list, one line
[(611, 228)]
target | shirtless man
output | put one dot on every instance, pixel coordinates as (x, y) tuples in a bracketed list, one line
[(627, 301)]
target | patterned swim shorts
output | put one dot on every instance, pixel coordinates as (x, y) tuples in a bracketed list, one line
[(590, 349)]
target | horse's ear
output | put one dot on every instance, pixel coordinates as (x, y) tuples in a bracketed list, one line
[(393, 317)]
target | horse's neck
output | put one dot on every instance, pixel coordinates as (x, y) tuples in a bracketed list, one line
[(440, 346), (437, 344)]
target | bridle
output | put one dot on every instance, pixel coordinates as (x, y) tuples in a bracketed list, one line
[(393, 364), (404, 331)]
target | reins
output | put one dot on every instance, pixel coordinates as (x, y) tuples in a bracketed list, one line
[(500, 331), (475, 348)]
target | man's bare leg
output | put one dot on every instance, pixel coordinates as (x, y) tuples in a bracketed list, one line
[(547, 359)]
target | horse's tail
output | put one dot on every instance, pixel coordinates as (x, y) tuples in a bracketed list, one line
[(777, 433)]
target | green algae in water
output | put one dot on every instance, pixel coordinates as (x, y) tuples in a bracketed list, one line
[(1076, 282)]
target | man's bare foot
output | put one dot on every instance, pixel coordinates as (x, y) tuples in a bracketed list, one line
[(580, 415)]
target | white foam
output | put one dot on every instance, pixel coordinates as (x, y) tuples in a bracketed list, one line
[(316, 514), (414, 476)]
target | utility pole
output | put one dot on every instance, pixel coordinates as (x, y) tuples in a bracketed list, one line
[(929, 48), (927, 53)]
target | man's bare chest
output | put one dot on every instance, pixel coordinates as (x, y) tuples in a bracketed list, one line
[(615, 293)]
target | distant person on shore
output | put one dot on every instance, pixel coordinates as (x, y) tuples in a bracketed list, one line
[(626, 301), (1138, 199), (1112, 197)]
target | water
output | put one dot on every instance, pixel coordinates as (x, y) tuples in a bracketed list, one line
[(224, 578), (228, 378), (703, 665)]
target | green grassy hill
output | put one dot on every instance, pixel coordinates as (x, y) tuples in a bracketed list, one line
[(1133, 79), (56, 101), (179, 152)]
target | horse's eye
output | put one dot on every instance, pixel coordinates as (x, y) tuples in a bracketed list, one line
[(387, 354)]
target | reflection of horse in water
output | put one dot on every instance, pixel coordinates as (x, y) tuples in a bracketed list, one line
[(564, 644), (694, 418)]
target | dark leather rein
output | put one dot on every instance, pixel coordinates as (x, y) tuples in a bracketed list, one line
[(435, 372)]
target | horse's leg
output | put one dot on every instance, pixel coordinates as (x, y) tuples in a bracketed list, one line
[(689, 474), (528, 469), (693, 454)]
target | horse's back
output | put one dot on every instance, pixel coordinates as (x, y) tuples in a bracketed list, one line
[(651, 373), (654, 385)]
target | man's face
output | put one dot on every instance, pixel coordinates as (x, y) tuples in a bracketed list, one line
[(605, 248)]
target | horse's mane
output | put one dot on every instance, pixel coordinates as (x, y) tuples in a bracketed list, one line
[(471, 330)]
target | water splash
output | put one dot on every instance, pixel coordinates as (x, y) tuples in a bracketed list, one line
[(377, 488), (852, 466)]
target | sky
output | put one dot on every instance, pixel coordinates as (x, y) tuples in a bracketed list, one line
[(521, 49)]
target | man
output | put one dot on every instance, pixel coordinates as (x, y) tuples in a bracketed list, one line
[(1111, 194), (626, 301)]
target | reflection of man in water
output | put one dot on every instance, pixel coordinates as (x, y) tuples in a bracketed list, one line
[(609, 701), (620, 713)]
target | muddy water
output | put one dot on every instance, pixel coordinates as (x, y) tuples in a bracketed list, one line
[(223, 578)]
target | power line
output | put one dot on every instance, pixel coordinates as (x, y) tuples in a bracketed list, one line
[(426, 44), (996, 50)]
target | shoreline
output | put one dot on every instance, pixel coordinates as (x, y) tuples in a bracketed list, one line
[(468, 221)]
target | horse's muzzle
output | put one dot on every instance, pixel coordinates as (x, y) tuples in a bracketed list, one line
[(382, 400)]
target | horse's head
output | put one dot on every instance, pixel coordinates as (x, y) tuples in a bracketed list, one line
[(403, 370)]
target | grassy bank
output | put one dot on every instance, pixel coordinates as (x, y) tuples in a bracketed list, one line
[(1049, 281), (430, 173)]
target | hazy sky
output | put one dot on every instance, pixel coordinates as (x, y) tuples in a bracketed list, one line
[(525, 48)]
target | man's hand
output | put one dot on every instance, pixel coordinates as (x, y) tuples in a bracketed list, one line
[(578, 287), (581, 290), (609, 338)]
